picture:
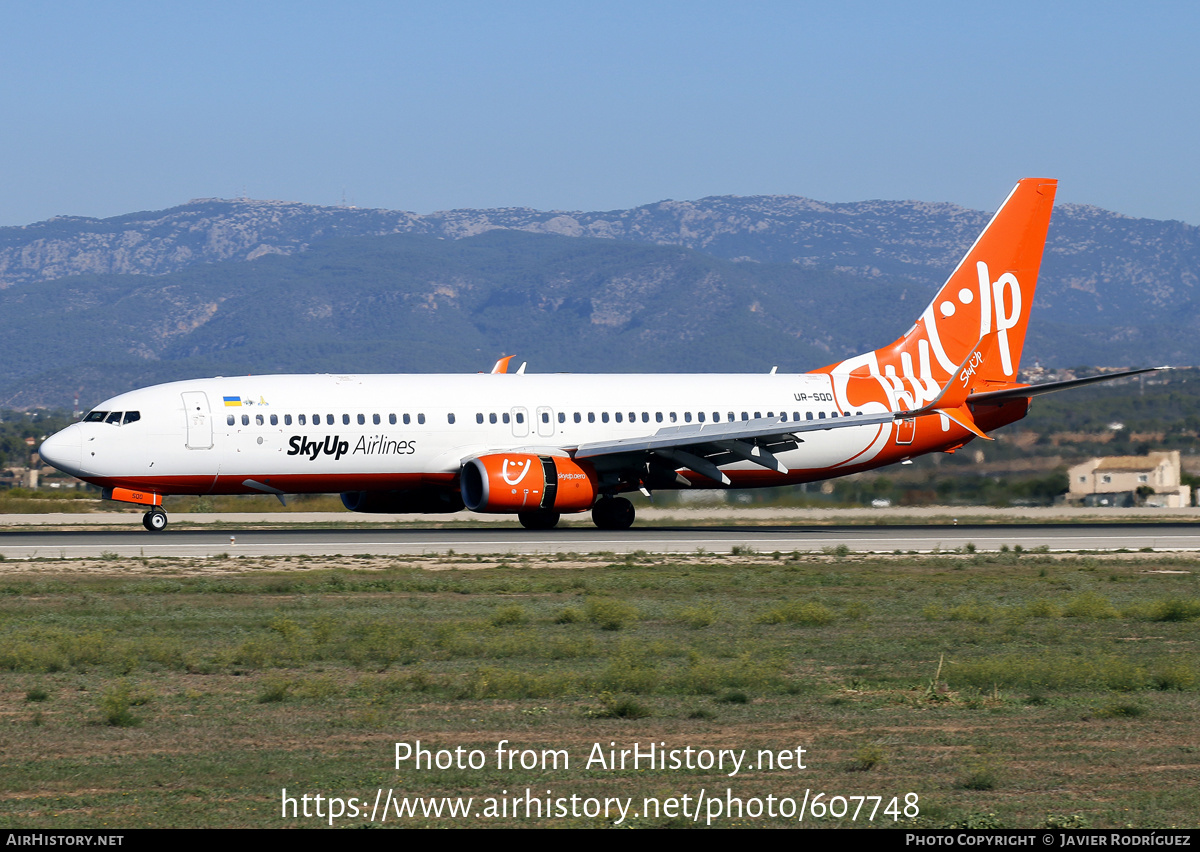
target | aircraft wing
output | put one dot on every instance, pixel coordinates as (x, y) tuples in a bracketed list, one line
[(703, 446)]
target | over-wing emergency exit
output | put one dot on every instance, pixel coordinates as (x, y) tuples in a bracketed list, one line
[(538, 446)]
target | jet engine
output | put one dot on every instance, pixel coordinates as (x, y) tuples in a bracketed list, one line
[(506, 483)]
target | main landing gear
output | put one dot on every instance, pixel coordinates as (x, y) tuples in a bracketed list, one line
[(155, 520), (613, 513)]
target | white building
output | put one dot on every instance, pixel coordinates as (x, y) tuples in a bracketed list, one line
[(1150, 480)]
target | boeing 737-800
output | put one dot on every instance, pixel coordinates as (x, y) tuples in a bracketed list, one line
[(540, 445)]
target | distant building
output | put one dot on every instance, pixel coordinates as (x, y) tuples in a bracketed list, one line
[(1122, 481)]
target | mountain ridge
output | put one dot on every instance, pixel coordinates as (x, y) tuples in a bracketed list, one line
[(725, 282)]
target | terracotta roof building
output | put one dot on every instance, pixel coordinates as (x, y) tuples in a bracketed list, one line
[(1151, 480)]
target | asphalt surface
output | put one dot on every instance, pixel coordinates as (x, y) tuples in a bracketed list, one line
[(348, 541)]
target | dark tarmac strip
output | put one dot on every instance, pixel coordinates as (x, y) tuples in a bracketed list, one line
[(30, 544)]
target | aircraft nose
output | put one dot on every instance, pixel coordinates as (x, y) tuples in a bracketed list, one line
[(63, 450)]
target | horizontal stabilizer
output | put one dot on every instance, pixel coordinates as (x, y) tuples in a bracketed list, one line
[(998, 396)]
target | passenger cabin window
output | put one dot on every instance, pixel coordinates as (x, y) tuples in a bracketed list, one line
[(450, 419), (407, 420), (479, 417), (687, 417), (591, 417), (700, 416), (562, 418), (287, 419), (578, 417), (545, 417), (229, 420), (658, 417), (505, 417), (345, 419), (421, 419), (245, 419), (258, 420), (392, 419), (274, 419), (375, 419), (301, 420), (362, 420), (492, 417), (329, 420)]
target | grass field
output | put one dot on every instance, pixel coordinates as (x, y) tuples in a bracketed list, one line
[(1014, 690)]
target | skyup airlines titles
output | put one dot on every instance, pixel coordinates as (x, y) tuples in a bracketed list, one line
[(332, 445)]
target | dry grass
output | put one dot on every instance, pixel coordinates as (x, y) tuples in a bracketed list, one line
[(1010, 690)]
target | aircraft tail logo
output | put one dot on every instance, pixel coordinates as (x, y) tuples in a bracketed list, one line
[(990, 291)]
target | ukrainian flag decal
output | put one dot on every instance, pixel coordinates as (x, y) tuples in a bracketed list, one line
[(233, 400)]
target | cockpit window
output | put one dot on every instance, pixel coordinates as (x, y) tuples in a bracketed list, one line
[(115, 417), (95, 417), (131, 417)]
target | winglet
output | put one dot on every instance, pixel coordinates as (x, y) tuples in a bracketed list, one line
[(502, 364)]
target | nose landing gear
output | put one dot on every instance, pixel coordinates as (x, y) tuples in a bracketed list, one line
[(155, 520)]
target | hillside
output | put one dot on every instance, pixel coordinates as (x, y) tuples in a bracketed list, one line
[(419, 304), (716, 284)]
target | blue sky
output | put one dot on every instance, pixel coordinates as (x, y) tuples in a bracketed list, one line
[(108, 108)]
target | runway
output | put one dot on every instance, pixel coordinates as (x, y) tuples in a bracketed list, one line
[(31, 544)]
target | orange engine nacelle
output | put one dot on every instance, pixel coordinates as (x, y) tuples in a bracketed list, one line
[(521, 482)]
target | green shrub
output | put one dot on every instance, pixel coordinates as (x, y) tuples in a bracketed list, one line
[(798, 612), (610, 613), (116, 702), (274, 689), (866, 758), (697, 617), (509, 615), (570, 615), (1090, 605), (621, 707)]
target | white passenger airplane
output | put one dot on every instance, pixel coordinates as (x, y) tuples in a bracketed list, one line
[(540, 445)]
